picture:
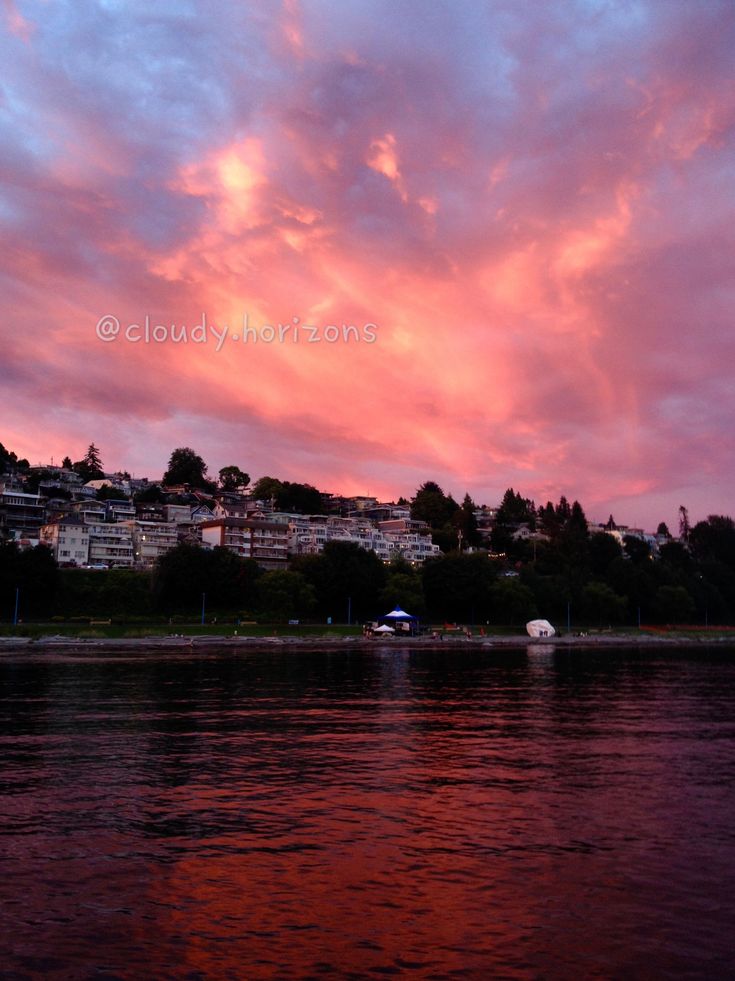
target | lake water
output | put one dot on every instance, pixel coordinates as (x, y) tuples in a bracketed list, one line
[(418, 814)]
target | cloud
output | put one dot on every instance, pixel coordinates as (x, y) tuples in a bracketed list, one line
[(533, 205)]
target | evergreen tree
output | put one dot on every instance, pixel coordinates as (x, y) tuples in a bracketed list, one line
[(90, 466), (465, 523)]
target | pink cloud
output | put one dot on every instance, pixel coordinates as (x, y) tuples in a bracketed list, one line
[(539, 226)]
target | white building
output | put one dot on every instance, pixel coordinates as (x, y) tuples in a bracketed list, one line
[(68, 538), (400, 537)]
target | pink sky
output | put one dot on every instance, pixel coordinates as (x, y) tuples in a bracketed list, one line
[(532, 202)]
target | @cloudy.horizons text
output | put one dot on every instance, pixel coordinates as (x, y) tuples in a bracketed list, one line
[(150, 331)]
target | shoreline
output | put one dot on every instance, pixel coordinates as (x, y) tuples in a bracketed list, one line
[(212, 643)]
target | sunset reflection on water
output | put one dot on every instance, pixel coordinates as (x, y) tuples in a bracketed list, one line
[(421, 814)]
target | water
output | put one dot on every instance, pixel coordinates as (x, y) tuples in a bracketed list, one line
[(394, 813)]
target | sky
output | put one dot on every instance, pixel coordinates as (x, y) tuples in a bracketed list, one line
[(486, 244)]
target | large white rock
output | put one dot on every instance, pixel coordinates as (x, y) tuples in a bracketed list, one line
[(540, 628)]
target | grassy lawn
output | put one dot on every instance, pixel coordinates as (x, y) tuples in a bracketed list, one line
[(224, 628)]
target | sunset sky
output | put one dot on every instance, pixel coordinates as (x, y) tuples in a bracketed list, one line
[(534, 202)]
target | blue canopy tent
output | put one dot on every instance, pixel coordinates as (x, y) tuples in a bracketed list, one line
[(398, 616)]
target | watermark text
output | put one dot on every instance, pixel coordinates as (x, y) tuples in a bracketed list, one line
[(151, 331)]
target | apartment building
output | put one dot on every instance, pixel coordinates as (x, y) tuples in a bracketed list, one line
[(250, 538), (110, 545), (21, 514), (151, 540), (400, 537)]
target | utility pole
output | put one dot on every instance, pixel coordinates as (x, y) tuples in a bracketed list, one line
[(204, 606), (17, 601)]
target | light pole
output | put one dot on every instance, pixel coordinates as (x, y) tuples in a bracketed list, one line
[(17, 601), (204, 606), (349, 611)]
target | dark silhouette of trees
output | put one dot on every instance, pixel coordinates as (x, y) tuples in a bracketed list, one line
[(186, 572), (438, 510), (457, 587), (287, 496), (285, 595), (344, 576), (232, 478), (90, 466), (185, 466), (34, 573), (10, 461)]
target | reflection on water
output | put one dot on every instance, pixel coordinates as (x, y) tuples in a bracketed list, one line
[(413, 813)]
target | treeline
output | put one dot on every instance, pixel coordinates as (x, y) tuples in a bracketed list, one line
[(587, 577)]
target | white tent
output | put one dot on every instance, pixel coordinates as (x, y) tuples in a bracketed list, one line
[(385, 629), (398, 614), (540, 628)]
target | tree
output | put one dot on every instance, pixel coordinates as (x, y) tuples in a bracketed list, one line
[(150, 495), (714, 539), (601, 604), (403, 587), (683, 523), (465, 523), (284, 595), (109, 493), (663, 529), (673, 604), (345, 577), (34, 573), (66, 463), (515, 510), (676, 555), (10, 461), (433, 506), (298, 498), (636, 549), (457, 586), (603, 549), (548, 520), (512, 602), (90, 466), (232, 478), (184, 573), (266, 488), (186, 467)]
